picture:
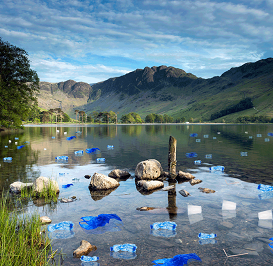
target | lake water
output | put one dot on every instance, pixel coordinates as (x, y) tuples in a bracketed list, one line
[(238, 231)]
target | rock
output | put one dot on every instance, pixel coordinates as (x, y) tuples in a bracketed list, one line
[(141, 183), (84, 249), (87, 176), (16, 187), (119, 174), (149, 169), (195, 181), (73, 197), (184, 175), (151, 185), (206, 190), (43, 183), (145, 208), (66, 200), (45, 220), (168, 188), (184, 193), (100, 181)]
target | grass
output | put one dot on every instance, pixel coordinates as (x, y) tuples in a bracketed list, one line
[(22, 242)]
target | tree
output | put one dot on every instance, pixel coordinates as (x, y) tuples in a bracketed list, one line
[(81, 114), (76, 112), (19, 85), (150, 118)]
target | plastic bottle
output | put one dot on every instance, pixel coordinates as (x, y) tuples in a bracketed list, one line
[(243, 153), (110, 147), (7, 159), (88, 258), (206, 236), (164, 225), (100, 159), (191, 154), (16, 138), (217, 168), (198, 162), (198, 140), (265, 187), (6, 146), (208, 156), (66, 225), (79, 152), (61, 158), (53, 137), (124, 247)]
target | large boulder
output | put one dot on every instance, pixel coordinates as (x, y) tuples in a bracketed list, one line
[(117, 173), (43, 183), (100, 181), (17, 186), (149, 169)]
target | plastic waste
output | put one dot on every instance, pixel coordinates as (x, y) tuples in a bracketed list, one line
[(181, 259), (66, 186), (7, 159), (61, 158), (16, 138), (65, 133), (88, 258), (270, 134), (243, 153), (124, 247), (27, 142), (100, 160), (61, 174), (70, 138), (217, 168), (79, 152), (164, 225), (15, 143), (206, 136), (266, 139), (228, 205), (250, 137), (92, 150), (44, 149), (20, 147), (66, 225), (208, 156), (110, 147), (6, 146), (198, 162), (193, 135), (198, 140), (214, 138), (259, 135), (206, 236), (191, 154), (78, 132), (53, 137), (265, 215), (193, 209), (265, 187)]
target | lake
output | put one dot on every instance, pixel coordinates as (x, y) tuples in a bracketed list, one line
[(232, 212)]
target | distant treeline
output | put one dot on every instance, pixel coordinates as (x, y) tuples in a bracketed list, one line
[(254, 119), (150, 118), (242, 105)]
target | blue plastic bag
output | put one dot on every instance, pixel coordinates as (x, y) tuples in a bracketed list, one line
[(198, 162), (66, 186), (181, 259), (70, 138), (100, 160), (88, 258), (191, 154), (270, 134), (206, 236), (7, 159), (66, 225), (20, 147), (193, 135), (92, 150), (62, 158), (124, 247)]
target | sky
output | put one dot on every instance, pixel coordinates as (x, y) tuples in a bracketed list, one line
[(91, 41)]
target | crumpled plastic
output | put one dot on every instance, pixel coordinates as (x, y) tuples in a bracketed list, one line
[(20, 147), (66, 225), (62, 230), (70, 138), (124, 247), (206, 236), (191, 154), (66, 186), (88, 258), (181, 259), (193, 135), (265, 187), (92, 150), (164, 225)]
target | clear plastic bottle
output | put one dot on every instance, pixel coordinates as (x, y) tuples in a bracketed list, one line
[(206, 236), (217, 168), (164, 225), (88, 258), (100, 159), (7, 159), (124, 247), (61, 158), (79, 152)]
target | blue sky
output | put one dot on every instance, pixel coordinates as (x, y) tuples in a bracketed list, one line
[(92, 41)]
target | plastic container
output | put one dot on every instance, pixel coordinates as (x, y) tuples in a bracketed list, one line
[(191, 154), (181, 259), (110, 147), (214, 138), (164, 225), (194, 209), (243, 153), (217, 168), (250, 137), (198, 140), (265, 187), (266, 139), (92, 150), (61, 158), (88, 258), (206, 236), (99, 160), (78, 152), (193, 135), (6, 146), (7, 159), (206, 136), (124, 247), (228, 205), (20, 147), (208, 156), (16, 138), (265, 215), (198, 162), (259, 135), (66, 225)]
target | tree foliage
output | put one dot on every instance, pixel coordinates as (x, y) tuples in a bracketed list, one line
[(131, 118), (18, 86)]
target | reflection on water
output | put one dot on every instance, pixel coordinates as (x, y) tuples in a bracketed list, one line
[(232, 212)]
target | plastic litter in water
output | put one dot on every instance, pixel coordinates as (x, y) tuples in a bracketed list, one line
[(61, 158), (53, 137), (214, 138), (92, 150), (206, 136), (181, 259), (265, 215), (70, 138), (65, 133), (16, 138), (7, 159), (124, 247), (208, 156), (164, 225), (250, 137), (110, 147), (6, 146), (198, 162), (194, 209), (191, 154), (265, 187), (243, 153), (259, 135), (206, 236), (88, 258), (218, 133), (270, 134), (66, 225), (15, 143), (27, 142), (266, 139), (78, 132), (9, 141), (193, 135), (67, 186), (20, 147), (198, 140), (100, 160), (78, 152), (217, 168), (228, 205)]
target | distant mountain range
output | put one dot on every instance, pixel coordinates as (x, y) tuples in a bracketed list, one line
[(168, 90)]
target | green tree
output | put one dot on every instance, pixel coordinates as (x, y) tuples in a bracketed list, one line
[(191, 120), (150, 118), (18, 86)]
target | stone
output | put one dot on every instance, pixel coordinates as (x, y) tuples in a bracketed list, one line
[(145, 208), (149, 169), (101, 181), (168, 188), (16, 187), (84, 249), (140, 183), (184, 193), (87, 176), (152, 185), (43, 183), (184, 175), (45, 220), (64, 200), (195, 181), (117, 173), (206, 190)]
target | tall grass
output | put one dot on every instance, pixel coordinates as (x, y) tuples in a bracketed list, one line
[(22, 242)]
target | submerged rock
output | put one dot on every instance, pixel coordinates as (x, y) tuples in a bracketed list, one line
[(195, 181), (44, 183), (117, 173), (16, 187), (45, 220), (151, 185), (206, 190), (83, 249), (184, 193), (184, 175), (149, 169), (100, 181)]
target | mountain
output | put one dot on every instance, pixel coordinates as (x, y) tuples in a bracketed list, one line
[(172, 91)]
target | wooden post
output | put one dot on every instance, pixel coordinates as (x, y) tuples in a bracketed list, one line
[(172, 157)]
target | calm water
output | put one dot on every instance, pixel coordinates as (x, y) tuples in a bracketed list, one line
[(238, 231)]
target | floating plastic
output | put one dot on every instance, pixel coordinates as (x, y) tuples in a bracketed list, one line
[(15, 143), (193, 135), (181, 259), (124, 247), (61, 158), (66, 225), (53, 137), (193, 209), (70, 138), (110, 147), (78, 152), (198, 162), (265, 187), (88, 258), (57, 130), (100, 160), (16, 138), (20, 147), (206, 236), (228, 205), (218, 133), (266, 139), (250, 137), (198, 140), (65, 133), (164, 225), (78, 132), (66, 186), (265, 215), (214, 138), (92, 150), (208, 156), (191, 154), (7, 159), (270, 134), (243, 153), (6, 146), (206, 136), (27, 142), (259, 135), (217, 168)]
